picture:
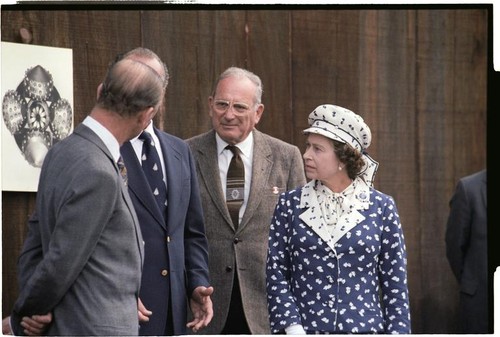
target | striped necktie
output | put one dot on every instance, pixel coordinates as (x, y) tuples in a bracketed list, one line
[(123, 170), (151, 165), (235, 185)]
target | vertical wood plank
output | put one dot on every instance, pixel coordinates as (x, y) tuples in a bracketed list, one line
[(268, 56), (387, 103), (445, 44)]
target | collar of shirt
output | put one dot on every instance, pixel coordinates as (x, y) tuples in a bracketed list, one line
[(356, 201), (138, 143), (357, 194), (107, 137), (245, 146)]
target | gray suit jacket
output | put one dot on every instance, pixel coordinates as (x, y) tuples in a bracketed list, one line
[(277, 167), (82, 259), (466, 250)]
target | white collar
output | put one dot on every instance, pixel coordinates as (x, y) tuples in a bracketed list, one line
[(105, 135), (312, 197), (244, 146), (150, 129)]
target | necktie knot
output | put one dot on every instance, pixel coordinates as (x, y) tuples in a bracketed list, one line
[(234, 149), (147, 138)]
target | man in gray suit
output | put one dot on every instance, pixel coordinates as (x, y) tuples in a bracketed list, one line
[(237, 251), (467, 252), (82, 258)]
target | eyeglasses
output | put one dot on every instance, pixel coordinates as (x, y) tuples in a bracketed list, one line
[(222, 106)]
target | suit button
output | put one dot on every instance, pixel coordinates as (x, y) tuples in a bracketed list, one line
[(229, 268), (164, 272), (167, 239), (236, 241)]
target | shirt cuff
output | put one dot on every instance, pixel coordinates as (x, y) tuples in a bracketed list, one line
[(295, 329)]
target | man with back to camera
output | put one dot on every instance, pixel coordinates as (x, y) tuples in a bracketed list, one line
[(84, 225), (176, 262)]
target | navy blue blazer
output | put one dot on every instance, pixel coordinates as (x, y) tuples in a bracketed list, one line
[(350, 279), (176, 249)]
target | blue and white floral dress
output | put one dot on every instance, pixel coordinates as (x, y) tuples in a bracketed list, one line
[(337, 262)]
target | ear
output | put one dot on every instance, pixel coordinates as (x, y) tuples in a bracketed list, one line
[(145, 116), (210, 101), (99, 90), (259, 112)]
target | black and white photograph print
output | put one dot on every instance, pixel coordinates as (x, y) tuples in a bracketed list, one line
[(37, 101)]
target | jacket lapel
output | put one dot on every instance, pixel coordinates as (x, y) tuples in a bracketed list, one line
[(312, 216), (209, 172), (173, 170), (261, 169)]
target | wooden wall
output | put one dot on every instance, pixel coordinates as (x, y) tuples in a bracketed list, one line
[(418, 76)]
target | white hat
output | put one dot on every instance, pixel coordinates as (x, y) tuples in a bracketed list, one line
[(345, 126)]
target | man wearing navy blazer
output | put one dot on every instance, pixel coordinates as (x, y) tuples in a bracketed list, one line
[(176, 252), (466, 250), (82, 259)]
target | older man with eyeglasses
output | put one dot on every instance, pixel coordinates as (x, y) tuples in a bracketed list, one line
[(238, 248)]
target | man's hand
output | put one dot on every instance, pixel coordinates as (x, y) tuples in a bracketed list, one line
[(6, 326), (201, 307), (36, 324), (33, 326), (143, 312)]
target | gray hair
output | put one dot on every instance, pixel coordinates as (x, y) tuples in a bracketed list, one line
[(141, 52), (242, 73)]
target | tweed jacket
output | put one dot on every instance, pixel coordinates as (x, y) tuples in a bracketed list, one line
[(176, 249), (347, 279), (277, 167), (467, 250), (82, 258)]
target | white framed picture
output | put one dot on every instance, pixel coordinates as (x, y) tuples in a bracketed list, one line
[(37, 109)]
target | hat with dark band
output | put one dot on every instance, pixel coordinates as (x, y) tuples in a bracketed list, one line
[(345, 126)]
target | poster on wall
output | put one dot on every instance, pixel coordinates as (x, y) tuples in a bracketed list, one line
[(37, 109)]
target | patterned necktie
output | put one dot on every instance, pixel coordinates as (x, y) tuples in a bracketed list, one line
[(123, 170), (151, 165), (235, 185)]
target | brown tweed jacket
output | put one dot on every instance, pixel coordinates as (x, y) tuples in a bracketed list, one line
[(277, 167)]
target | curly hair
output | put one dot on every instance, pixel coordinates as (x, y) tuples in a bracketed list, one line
[(349, 156)]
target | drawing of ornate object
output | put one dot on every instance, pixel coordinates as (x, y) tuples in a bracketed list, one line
[(35, 146), (36, 115), (62, 119), (14, 111)]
